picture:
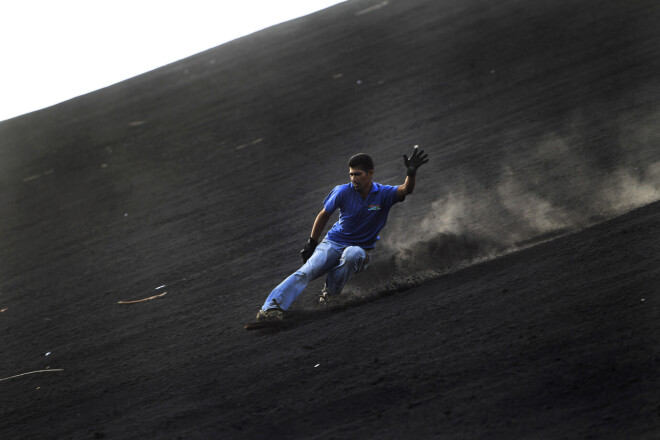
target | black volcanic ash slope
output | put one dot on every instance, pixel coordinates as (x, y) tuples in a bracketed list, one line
[(205, 176)]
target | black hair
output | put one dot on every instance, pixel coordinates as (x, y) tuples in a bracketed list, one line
[(362, 161)]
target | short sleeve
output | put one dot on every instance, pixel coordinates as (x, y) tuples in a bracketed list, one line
[(391, 196), (333, 200)]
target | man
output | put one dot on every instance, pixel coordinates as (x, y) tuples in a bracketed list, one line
[(345, 250)]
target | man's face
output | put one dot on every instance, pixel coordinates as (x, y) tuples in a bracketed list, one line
[(360, 178)]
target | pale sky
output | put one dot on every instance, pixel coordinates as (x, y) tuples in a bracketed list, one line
[(52, 51)]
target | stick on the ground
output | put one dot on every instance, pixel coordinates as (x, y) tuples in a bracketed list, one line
[(141, 300), (32, 372)]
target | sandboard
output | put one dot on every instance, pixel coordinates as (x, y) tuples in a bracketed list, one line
[(258, 325)]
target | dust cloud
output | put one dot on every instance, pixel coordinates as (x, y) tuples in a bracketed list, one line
[(557, 185)]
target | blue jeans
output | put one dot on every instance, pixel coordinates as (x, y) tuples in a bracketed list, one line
[(340, 262)]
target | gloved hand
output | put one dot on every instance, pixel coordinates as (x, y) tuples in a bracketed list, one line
[(417, 159), (308, 250)]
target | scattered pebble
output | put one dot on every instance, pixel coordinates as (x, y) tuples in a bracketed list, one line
[(160, 287), (316, 365), (48, 354)]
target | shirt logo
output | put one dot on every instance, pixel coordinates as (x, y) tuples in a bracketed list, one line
[(374, 207)]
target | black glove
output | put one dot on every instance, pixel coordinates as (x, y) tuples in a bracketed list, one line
[(417, 159), (308, 250)]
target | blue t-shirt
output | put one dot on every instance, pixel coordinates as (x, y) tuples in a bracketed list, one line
[(360, 221)]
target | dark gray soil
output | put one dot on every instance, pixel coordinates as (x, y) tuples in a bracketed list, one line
[(514, 295)]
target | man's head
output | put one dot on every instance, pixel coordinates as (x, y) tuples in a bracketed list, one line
[(361, 170)]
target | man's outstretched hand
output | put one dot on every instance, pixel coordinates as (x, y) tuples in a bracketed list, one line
[(308, 250), (417, 159)]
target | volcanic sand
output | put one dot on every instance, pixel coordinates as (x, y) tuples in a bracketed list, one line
[(513, 295)]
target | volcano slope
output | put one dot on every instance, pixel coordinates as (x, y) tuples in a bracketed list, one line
[(514, 295)]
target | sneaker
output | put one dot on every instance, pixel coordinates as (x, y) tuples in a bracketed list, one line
[(327, 298), (270, 315)]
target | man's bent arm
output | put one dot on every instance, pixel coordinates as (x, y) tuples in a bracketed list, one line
[(319, 224)]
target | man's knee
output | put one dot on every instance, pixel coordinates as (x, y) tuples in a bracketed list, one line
[(354, 254)]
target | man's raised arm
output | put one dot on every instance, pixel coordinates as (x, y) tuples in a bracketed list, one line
[(416, 160)]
